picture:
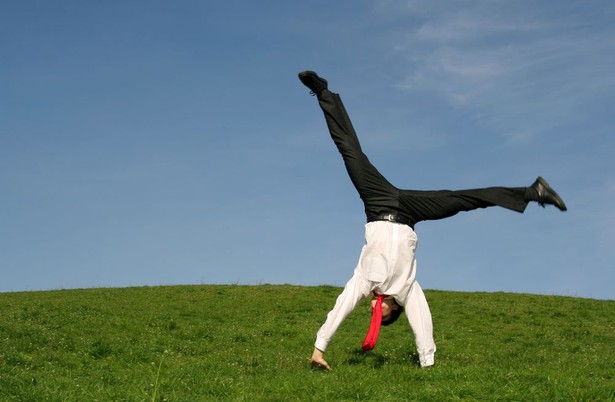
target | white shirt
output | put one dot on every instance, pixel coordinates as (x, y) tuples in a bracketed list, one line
[(387, 265)]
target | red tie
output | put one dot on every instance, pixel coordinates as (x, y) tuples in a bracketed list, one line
[(374, 328)]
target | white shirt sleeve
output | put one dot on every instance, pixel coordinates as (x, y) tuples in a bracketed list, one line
[(356, 289)]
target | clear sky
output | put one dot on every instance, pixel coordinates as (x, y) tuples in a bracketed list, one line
[(170, 142)]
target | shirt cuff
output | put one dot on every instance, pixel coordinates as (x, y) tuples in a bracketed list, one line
[(321, 344)]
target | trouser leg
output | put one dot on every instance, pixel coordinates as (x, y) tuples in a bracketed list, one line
[(433, 205), (370, 184), (419, 317)]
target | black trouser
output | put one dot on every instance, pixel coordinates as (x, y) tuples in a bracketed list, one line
[(380, 196)]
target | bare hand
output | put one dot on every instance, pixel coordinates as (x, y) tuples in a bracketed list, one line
[(317, 360)]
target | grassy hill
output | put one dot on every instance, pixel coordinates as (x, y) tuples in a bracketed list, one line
[(252, 343)]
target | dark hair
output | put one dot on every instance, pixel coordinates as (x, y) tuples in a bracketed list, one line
[(393, 316)]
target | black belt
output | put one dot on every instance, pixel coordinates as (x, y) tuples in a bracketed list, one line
[(391, 217)]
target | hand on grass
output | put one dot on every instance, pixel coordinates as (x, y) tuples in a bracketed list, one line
[(317, 360)]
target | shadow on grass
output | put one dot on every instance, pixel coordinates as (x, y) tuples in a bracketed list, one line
[(378, 360), (373, 359)]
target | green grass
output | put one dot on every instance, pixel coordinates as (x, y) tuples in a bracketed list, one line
[(252, 343)]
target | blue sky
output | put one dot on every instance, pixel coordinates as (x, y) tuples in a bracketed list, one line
[(159, 142)]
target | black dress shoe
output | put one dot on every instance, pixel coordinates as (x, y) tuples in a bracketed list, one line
[(311, 80), (546, 195)]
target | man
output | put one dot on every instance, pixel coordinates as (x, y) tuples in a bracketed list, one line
[(387, 264)]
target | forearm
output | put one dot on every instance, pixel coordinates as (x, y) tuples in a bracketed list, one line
[(355, 290)]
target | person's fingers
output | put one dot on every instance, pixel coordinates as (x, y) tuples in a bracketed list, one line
[(323, 365)]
